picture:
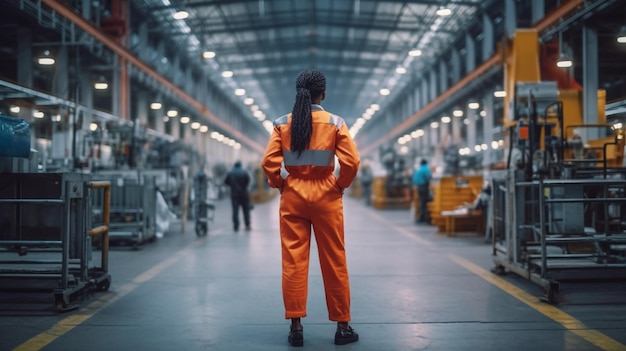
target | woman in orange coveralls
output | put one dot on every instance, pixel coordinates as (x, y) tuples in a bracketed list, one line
[(307, 141)]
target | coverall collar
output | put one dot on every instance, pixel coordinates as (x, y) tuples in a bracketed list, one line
[(316, 107)]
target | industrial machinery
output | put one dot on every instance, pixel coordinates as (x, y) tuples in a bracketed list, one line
[(394, 189), (133, 207), (45, 235), (204, 205), (560, 205)]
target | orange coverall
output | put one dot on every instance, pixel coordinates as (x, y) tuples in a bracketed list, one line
[(311, 195)]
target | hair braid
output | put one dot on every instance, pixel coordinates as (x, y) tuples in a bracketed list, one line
[(309, 85)]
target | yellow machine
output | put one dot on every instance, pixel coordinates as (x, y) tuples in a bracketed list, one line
[(394, 189), (449, 194), (545, 104), (559, 207), (260, 191)]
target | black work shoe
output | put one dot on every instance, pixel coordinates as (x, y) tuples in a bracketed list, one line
[(345, 336), (296, 338)]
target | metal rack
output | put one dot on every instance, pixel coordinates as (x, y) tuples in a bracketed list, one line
[(133, 208), (46, 232), (563, 229), (204, 203)]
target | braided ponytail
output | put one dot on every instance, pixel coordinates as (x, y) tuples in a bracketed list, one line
[(309, 85)]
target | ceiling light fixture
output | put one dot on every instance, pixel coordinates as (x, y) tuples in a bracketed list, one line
[(446, 119), (46, 59), (208, 54), (38, 114), (385, 92), (400, 70), (195, 125), (457, 113), (415, 53), (227, 74), (248, 101), (375, 107), (93, 126), (443, 11), (240, 92), (499, 93), (434, 125), (156, 106), (172, 113), (101, 84), (473, 105), (14, 109), (180, 15), (204, 129), (564, 60), (184, 119)]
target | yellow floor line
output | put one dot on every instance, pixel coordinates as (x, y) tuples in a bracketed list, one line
[(65, 325), (570, 323)]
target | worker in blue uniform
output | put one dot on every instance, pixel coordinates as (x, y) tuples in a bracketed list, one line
[(421, 179)]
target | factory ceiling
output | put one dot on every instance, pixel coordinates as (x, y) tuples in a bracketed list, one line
[(362, 46), (371, 51)]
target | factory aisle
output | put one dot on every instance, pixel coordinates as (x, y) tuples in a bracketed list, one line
[(412, 289)]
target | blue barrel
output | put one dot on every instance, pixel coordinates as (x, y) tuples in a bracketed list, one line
[(14, 137)]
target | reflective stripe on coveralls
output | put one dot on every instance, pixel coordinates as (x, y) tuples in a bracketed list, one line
[(312, 197)]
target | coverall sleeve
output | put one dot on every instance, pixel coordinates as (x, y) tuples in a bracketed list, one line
[(348, 156), (272, 160)]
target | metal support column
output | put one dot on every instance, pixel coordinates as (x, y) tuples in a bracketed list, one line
[(433, 85), (510, 18), (24, 57), (538, 8), (443, 77), (590, 79), (488, 106), (425, 92), (60, 82), (470, 54), (489, 45), (455, 62), (456, 130), (471, 129), (444, 132)]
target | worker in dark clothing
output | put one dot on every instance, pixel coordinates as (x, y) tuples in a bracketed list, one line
[(238, 180)]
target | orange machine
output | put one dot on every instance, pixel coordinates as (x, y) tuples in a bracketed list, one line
[(539, 93)]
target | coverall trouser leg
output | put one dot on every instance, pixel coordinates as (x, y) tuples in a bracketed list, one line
[(317, 203)]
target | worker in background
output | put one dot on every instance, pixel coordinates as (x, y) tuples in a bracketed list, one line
[(483, 203), (421, 179), (239, 180), (366, 176), (307, 140)]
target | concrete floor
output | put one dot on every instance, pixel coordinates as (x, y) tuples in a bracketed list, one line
[(412, 289)]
